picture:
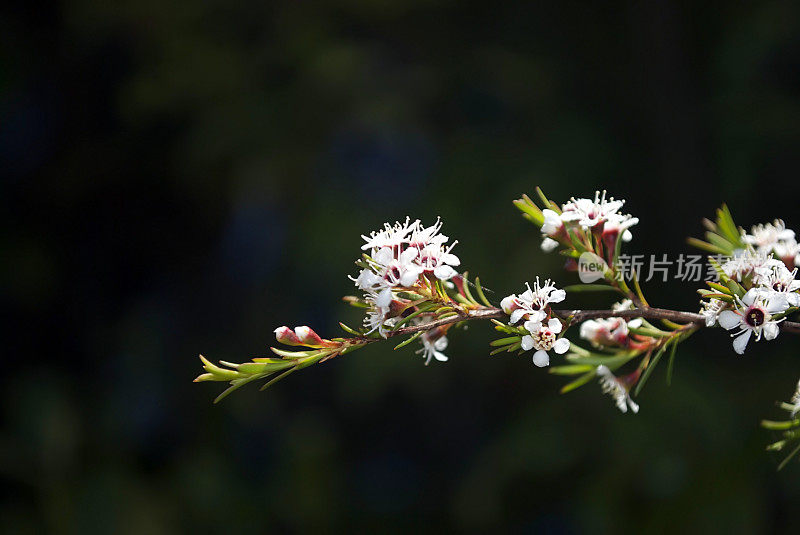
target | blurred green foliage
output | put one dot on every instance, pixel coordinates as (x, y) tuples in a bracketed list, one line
[(183, 177)]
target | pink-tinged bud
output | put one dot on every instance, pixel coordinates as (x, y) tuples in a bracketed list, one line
[(287, 336), (509, 304), (789, 262), (308, 337)]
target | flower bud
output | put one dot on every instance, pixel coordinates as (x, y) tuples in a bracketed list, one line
[(286, 336), (308, 337), (509, 304)]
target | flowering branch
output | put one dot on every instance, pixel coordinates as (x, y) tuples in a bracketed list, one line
[(412, 288)]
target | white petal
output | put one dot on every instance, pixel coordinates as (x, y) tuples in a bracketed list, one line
[(533, 326), (561, 346), (778, 302), (635, 323), (557, 296), (450, 258), (740, 342), (549, 244), (554, 325), (516, 315), (541, 358), (538, 315), (728, 319), (409, 277), (408, 255), (750, 296), (527, 342), (441, 357), (440, 344), (384, 298), (550, 217), (384, 256), (771, 330), (444, 272)]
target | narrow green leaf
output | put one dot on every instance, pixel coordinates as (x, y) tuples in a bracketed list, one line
[(465, 283), (580, 381), (481, 295), (407, 341), (705, 246), (577, 288), (571, 369), (349, 330), (789, 458), (504, 341), (671, 363), (277, 378), (650, 367)]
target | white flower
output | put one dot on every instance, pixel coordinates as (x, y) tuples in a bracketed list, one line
[(552, 222), (422, 237), (787, 250), (438, 260), (605, 331), (618, 224), (390, 236), (616, 389), (777, 282), (627, 304), (433, 348), (711, 310), (549, 245), (587, 213), (753, 314), (748, 262), (765, 237), (543, 338), (375, 319), (531, 304)]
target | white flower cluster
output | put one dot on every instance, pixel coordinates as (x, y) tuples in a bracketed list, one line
[(600, 215), (604, 332), (774, 238), (771, 290), (612, 386), (397, 256), (533, 306)]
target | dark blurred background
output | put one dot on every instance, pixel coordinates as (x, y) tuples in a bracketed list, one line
[(183, 177)]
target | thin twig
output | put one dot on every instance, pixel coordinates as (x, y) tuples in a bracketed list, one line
[(575, 316)]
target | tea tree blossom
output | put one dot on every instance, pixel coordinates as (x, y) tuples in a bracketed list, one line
[(589, 213), (753, 315), (748, 263), (432, 348), (605, 332), (615, 388), (543, 338), (531, 304), (599, 215), (767, 236), (778, 283), (711, 310), (413, 290)]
